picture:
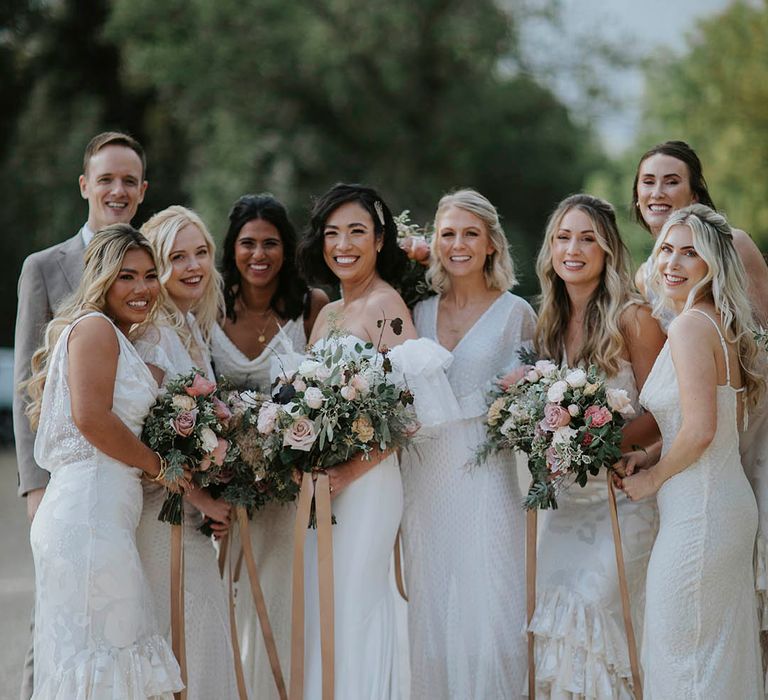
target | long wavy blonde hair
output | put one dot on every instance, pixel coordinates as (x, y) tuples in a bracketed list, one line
[(499, 271), (161, 231), (604, 343), (103, 261), (725, 281)]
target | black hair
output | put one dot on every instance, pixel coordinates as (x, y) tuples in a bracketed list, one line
[(289, 299), (391, 261)]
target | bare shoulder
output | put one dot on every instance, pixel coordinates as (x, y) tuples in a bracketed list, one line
[(748, 251), (690, 331), (97, 336), (386, 300)]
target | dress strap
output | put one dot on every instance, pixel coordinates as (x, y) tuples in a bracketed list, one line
[(724, 346)]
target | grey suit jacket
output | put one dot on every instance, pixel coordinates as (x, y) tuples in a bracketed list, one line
[(46, 278)]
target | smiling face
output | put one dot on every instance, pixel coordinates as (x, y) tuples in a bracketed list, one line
[(113, 186), (663, 185), (463, 243), (577, 256), (259, 253), (680, 266), (191, 264), (350, 245), (134, 291)]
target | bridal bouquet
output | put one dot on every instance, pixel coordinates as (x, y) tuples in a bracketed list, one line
[(413, 285), (186, 426), (761, 336), (340, 402), (567, 421)]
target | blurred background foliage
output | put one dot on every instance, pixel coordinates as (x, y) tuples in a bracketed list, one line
[(415, 98)]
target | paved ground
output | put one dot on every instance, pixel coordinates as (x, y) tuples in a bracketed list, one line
[(16, 578)]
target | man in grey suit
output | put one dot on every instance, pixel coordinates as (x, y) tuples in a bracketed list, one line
[(113, 182)]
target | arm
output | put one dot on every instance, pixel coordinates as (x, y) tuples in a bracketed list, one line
[(757, 274), (32, 315), (644, 339), (317, 300), (93, 356), (693, 354), (388, 305)]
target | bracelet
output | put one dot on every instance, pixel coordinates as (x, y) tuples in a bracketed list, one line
[(163, 469)]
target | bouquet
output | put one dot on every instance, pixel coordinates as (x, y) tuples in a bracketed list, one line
[(413, 285), (761, 337), (186, 426), (566, 420), (340, 402)]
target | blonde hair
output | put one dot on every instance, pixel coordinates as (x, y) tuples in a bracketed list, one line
[(725, 280), (161, 231), (103, 261), (499, 270), (604, 343)]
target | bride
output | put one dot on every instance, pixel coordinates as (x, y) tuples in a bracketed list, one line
[(352, 241)]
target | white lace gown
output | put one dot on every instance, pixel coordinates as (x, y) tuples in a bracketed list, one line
[(271, 527), (96, 636), (210, 661), (701, 638), (464, 528), (368, 515), (581, 645)]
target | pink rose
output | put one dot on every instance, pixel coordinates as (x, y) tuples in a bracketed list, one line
[(301, 435), (201, 386), (267, 417), (184, 424), (600, 415), (220, 452), (553, 460), (555, 417), (221, 410)]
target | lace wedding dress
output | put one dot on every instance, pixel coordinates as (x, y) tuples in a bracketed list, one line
[(95, 630), (271, 527), (701, 638), (210, 661), (464, 528), (368, 514), (581, 644)]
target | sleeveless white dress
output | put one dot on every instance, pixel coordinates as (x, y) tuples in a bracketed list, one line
[(464, 527), (701, 636), (581, 644), (210, 661), (753, 446), (368, 514), (96, 636), (271, 527)]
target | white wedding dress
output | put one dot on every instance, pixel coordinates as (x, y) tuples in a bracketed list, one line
[(464, 528), (368, 514), (210, 661), (701, 632), (581, 645), (271, 527), (96, 636)]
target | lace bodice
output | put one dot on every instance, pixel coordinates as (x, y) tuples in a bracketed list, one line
[(58, 440), (495, 337)]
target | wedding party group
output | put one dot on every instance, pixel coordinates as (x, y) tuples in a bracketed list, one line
[(375, 410)]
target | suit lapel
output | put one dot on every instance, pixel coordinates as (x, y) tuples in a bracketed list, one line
[(71, 256)]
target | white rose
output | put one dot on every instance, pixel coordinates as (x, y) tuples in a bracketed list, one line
[(564, 435), (267, 417), (314, 397), (349, 392), (546, 367), (184, 402), (360, 383), (533, 375), (209, 439), (308, 368), (299, 385), (577, 378), (618, 400), (556, 392), (574, 410), (323, 372)]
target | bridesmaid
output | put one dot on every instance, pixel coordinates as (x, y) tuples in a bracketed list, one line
[(173, 345), (669, 177), (589, 315), (269, 314), (95, 634), (696, 643), (463, 530)]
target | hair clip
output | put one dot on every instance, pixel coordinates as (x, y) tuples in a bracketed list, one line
[(379, 211)]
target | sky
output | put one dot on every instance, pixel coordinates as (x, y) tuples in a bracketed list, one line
[(642, 25)]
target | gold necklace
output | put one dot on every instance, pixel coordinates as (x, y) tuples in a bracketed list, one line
[(261, 337)]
